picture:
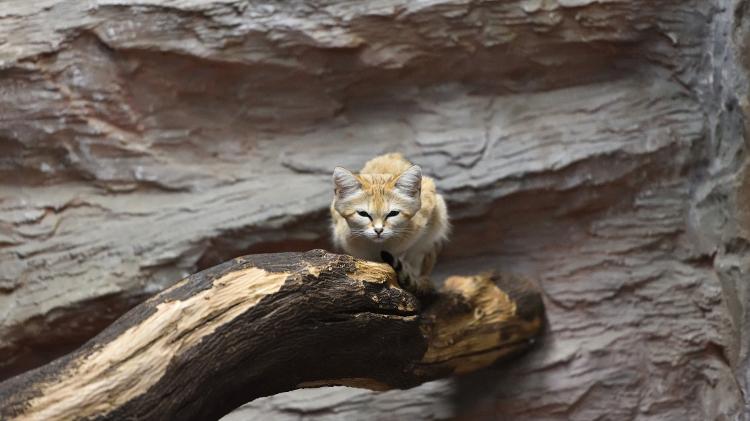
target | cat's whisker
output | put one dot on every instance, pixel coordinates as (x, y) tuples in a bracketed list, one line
[(389, 204)]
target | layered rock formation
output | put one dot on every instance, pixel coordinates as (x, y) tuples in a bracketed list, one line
[(597, 146)]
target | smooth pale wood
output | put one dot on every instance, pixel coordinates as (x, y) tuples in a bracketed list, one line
[(264, 324)]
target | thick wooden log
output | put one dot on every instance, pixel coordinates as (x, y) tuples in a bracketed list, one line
[(263, 324)]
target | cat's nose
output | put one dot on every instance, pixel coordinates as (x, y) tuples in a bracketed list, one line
[(378, 230)]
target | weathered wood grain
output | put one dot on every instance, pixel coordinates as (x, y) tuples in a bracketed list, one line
[(270, 323)]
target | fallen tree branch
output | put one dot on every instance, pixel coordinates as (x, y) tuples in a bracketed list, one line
[(263, 324)]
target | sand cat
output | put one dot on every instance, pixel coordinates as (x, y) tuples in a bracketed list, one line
[(390, 212)]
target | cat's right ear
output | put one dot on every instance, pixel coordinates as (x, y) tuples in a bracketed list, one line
[(345, 183)]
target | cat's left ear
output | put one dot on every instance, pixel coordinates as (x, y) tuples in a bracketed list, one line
[(409, 182)]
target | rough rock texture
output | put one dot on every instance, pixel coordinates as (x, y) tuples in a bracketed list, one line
[(595, 145)]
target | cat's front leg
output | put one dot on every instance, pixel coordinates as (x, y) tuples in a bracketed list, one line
[(409, 275)]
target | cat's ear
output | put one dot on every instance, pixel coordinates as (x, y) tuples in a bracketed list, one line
[(345, 183), (409, 182)]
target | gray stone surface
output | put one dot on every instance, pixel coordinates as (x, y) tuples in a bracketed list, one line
[(595, 145)]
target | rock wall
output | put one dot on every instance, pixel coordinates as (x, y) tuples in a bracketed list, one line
[(597, 146)]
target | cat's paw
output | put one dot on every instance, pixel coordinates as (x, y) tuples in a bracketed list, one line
[(407, 279), (392, 261), (401, 274)]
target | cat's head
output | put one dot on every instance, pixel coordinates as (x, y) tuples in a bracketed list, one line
[(378, 206)]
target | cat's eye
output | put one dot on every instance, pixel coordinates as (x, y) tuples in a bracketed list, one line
[(392, 213), (364, 214)]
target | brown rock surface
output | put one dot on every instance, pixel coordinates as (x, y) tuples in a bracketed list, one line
[(595, 145)]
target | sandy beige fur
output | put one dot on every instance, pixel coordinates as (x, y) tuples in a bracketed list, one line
[(387, 183)]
